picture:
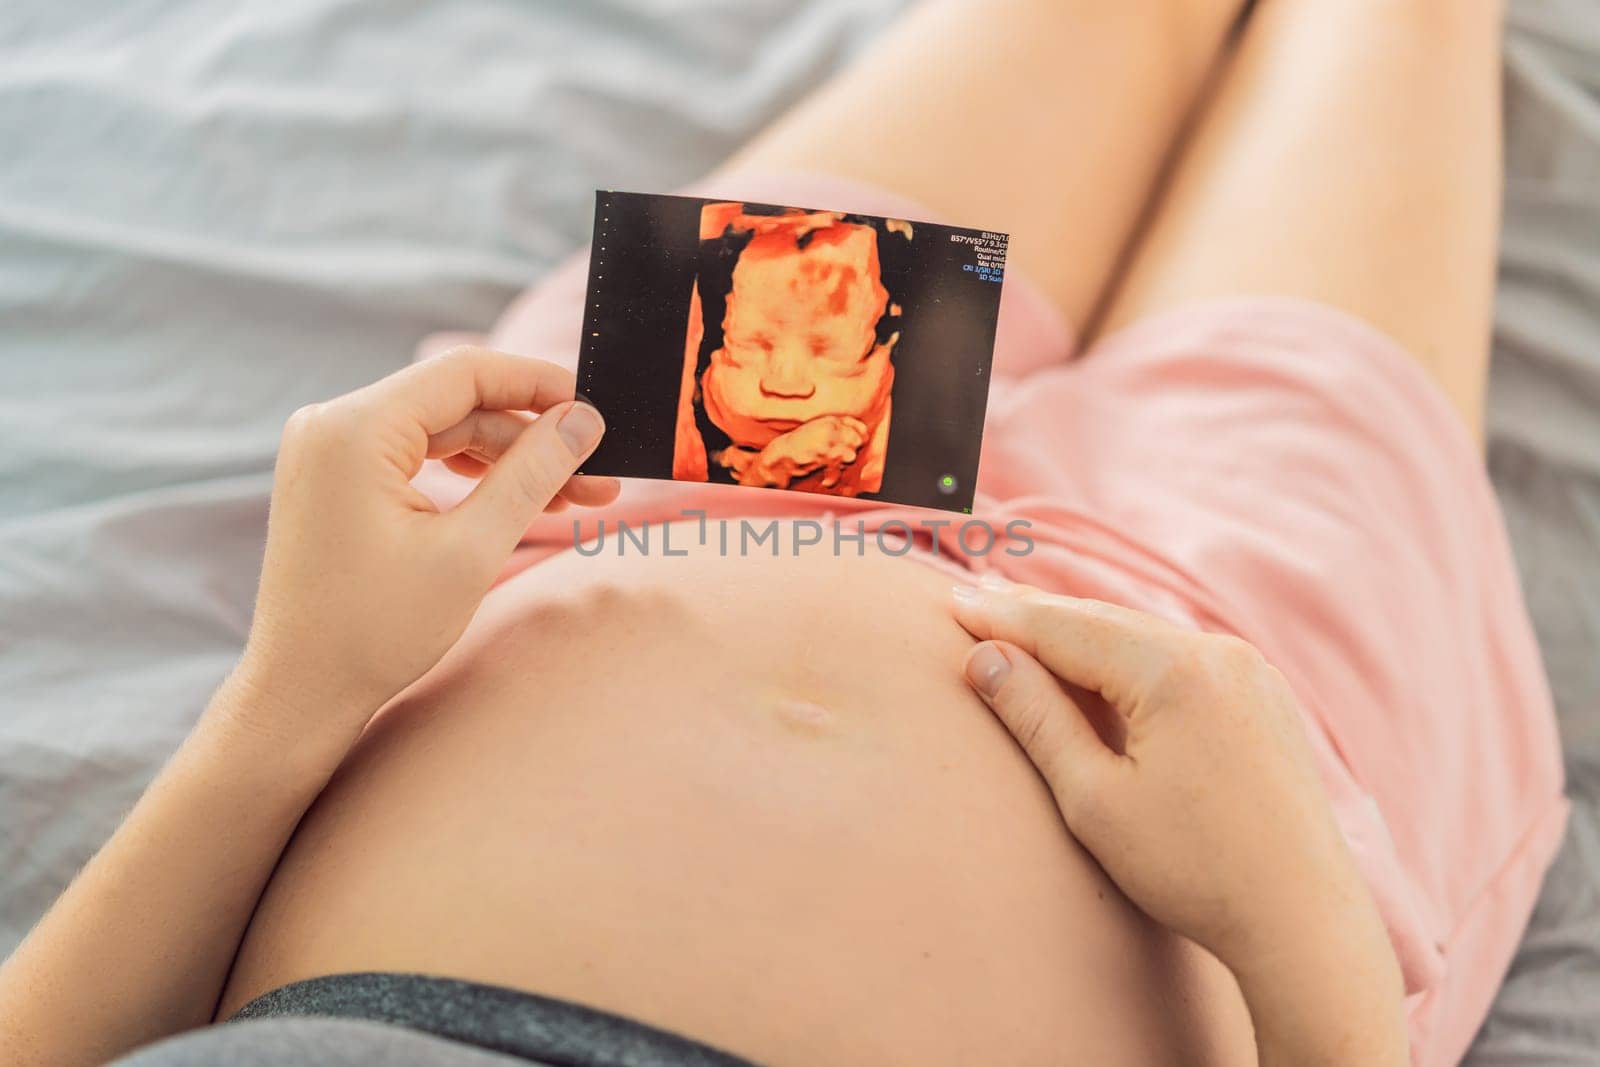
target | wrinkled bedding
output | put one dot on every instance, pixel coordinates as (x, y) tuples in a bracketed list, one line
[(211, 215)]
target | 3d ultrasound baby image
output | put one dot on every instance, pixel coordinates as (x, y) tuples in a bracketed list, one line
[(790, 348), (802, 381)]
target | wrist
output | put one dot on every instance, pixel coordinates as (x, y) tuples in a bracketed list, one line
[(302, 721), (1327, 990), (1312, 906)]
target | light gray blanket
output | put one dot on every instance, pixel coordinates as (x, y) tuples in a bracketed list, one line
[(211, 214)]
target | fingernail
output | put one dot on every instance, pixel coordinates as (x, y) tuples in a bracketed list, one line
[(580, 428), (987, 669), (994, 580), (966, 596)]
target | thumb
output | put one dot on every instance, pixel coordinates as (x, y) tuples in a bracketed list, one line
[(529, 474), (1052, 730)]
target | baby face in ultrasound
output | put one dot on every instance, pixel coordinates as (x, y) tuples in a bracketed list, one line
[(801, 382)]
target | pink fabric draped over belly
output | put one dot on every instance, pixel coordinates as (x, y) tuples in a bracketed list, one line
[(1263, 467)]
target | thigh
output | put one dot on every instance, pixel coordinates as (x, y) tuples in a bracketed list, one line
[(1351, 156), (1049, 119)]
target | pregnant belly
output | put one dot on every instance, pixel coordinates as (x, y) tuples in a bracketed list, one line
[(749, 799)]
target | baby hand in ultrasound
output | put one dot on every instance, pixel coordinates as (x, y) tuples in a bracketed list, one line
[(365, 584), (1197, 792), (827, 442)]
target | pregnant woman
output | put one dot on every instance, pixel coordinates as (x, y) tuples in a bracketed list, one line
[(841, 808)]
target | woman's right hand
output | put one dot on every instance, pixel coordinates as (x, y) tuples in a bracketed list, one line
[(1183, 767), (365, 582)]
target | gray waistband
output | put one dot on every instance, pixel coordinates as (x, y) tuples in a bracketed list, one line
[(492, 1017)]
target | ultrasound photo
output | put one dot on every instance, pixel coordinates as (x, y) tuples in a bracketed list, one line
[(789, 348)]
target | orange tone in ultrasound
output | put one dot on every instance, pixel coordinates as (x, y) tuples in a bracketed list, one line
[(800, 384)]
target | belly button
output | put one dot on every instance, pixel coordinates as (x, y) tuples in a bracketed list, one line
[(804, 715)]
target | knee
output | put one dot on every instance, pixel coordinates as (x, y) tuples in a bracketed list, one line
[(1432, 14)]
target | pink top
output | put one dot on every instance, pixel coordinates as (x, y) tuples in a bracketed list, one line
[(1272, 469)]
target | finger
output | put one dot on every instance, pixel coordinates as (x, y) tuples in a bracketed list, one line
[(486, 434), (437, 344), (1104, 648), (527, 477), (591, 490), (441, 392), (466, 465), (584, 490), (1049, 727)]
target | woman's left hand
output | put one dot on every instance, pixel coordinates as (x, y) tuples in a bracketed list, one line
[(1193, 785), (366, 584)]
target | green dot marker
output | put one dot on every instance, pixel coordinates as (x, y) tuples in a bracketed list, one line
[(947, 482)]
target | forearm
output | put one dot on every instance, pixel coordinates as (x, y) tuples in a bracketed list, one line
[(1329, 995), (139, 945)]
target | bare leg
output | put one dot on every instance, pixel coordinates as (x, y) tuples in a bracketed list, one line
[(1046, 118), (1351, 156)]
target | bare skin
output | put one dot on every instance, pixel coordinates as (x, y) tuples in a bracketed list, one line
[(1351, 156), (1048, 119)]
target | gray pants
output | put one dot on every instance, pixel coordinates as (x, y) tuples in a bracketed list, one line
[(352, 1019)]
